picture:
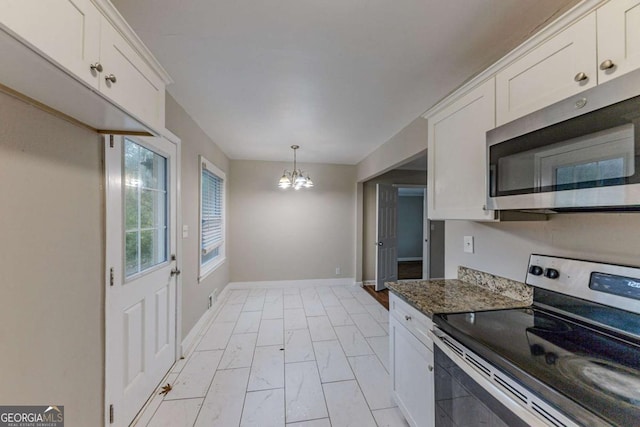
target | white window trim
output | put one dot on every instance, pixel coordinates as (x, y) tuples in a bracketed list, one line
[(205, 270)]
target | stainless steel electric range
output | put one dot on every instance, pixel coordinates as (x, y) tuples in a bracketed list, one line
[(571, 359)]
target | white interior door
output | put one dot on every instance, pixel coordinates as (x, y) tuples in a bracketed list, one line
[(141, 281), (386, 235)]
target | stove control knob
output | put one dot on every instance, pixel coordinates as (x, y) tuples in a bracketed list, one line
[(551, 273), (550, 358), (535, 270)]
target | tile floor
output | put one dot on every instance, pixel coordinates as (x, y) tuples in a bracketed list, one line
[(306, 357)]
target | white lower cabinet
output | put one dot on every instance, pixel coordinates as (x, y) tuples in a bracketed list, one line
[(412, 376)]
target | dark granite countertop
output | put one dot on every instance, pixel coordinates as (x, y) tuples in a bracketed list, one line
[(451, 296)]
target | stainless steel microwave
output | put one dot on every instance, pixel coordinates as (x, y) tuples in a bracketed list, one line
[(580, 154)]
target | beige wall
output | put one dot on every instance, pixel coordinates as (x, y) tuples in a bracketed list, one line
[(287, 235), (195, 296), (504, 248), (369, 213), (51, 297), (410, 142)]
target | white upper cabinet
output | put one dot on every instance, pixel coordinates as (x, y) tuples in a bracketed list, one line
[(128, 80), (66, 31), (560, 67), (82, 59), (456, 174), (618, 38)]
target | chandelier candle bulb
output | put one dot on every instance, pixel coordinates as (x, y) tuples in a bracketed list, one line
[(295, 178)]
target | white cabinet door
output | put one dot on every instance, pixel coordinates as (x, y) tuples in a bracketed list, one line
[(549, 73), (411, 376), (456, 175), (66, 31), (128, 80), (618, 38)]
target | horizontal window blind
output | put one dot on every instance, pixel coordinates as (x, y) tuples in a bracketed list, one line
[(212, 211)]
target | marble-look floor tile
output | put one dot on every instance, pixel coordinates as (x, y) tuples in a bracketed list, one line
[(273, 309), (364, 297), (223, 405), (338, 316), (313, 306), (177, 367), (217, 337), (239, 352), (195, 378), (329, 300), (320, 328), (267, 370), (303, 392), (257, 292), (291, 291), (352, 306), (274, 294), (391, 417), (271, 332), (264, 409), (367, 325), (297, 346), (176, 413), (374, 380), (380, 346), (352, 341), (323, 422), (378, 312), (341, 292), (292, 301), (254, 303), (332, 363), (347, 407), (295, 318), (229, 313), (385, 326), (157, 399), (249, 321), (238, 296)]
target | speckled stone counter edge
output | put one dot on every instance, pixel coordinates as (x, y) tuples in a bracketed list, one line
[(500, 285)]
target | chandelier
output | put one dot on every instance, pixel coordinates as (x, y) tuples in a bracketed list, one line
[(295, 178)]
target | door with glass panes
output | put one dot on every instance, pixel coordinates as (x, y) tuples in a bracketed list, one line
[(141, 271)]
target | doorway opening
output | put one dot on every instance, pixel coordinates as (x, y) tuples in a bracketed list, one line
[(410, 232)]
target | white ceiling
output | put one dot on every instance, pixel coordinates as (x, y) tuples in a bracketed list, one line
[(337, 77)]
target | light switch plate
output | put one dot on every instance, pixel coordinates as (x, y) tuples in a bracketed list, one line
[(468, 244), (185, 231)]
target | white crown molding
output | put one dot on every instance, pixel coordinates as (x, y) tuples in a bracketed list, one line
[(117, 20), (572, 15)]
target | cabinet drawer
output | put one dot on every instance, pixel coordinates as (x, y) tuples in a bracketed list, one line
[(416, 322)]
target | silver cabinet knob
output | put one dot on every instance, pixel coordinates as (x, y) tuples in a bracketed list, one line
[(96, 66), (407, 318), (580, 77), (607, 64), (430, 368), (110, 78)]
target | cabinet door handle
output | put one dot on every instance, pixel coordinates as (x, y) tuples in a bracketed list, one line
[(580, 77), (607, 64), (110, 78), (96, 66), (430, 368), (407, 318)]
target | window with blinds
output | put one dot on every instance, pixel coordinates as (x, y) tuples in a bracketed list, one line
[(212, 185)]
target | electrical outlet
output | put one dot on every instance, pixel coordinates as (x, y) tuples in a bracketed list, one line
[(468, 244), (337, 271), (185, 231)]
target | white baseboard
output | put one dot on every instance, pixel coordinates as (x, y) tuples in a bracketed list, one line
[(346, 281), (414, 258), (369, 283), (201, 326)]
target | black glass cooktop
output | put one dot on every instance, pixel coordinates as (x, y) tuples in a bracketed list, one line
[(563, 361)]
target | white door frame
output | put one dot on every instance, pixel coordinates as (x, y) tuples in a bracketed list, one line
[(108, 262)]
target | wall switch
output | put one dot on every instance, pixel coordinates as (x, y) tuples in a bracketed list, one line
[(185, 231), (337, 271), (468, 244), (213, 297)]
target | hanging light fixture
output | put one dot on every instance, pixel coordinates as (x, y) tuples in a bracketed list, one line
[(295, 178)]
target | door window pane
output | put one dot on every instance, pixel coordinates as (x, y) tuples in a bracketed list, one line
[(145, 208)]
